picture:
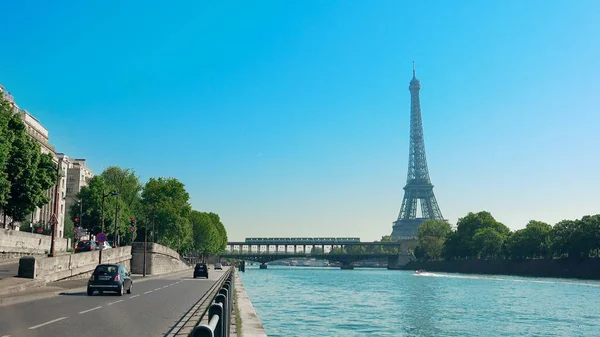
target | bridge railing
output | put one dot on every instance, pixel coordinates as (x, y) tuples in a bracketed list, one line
[(219, 312)]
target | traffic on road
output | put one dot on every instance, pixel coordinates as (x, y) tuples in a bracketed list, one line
[(150, 310)]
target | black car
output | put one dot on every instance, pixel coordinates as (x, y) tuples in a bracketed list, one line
[(86, 246), (201, 270), (110, 277)]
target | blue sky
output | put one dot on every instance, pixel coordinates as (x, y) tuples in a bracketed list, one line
[(292, 118)]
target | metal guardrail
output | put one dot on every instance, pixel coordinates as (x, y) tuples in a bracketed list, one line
[(219, 312), (186, 324)]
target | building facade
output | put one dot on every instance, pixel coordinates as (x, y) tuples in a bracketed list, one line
[(74, 174), (78, 176)]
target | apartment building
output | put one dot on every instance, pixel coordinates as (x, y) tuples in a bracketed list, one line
[(78, 176)]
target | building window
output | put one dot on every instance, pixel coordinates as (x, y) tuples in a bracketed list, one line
[(69, 190)]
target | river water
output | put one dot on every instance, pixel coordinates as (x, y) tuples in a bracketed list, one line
[(300, 301)]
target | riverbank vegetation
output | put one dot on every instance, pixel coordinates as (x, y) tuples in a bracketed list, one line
[(480, 236)]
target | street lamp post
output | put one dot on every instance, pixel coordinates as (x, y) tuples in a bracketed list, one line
[(104, 196), (115, 241), (55, 215), (145, 243)]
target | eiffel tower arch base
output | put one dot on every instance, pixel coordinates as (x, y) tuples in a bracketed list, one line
[(406, 229)]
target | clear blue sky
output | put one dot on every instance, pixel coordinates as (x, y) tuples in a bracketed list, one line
[(291, 118)]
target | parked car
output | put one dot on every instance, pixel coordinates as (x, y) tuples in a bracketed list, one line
[(103, 245), (110, 277), (85, 246), (201, 270), (218, 266)]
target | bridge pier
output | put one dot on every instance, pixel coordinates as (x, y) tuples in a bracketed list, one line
[(263, 266)]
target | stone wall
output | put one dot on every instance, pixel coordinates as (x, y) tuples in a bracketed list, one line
[(159, 259), (70, 266), (562, 268), (15, 243)]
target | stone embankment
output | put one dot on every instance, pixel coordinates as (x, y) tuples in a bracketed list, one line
[(64, 267), (159, 259), (15, 244)]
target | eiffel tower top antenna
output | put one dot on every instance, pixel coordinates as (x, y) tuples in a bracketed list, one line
[(414, 70)]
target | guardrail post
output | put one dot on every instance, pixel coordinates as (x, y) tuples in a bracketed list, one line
[(229, 288), (217, 309), (215, 312), (222, 299)]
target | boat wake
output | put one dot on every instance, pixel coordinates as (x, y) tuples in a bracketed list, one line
[(492, 278)]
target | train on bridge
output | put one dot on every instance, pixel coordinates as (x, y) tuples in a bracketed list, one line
[(282, 241)]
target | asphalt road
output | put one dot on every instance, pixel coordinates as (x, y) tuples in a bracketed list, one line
[(9, 270), (151, 310)]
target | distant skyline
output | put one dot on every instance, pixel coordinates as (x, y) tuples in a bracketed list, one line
[(292, 118)]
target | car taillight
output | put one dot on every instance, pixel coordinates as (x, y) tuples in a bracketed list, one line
[(91, 248), (117, 278), (92, 277)]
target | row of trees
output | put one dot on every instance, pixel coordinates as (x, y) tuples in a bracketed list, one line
[(479, 235), (160, 207), (25, 173)]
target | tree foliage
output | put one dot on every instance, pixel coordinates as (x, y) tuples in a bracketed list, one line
[(165, 201), (463, 244), (431, 235), (206, 240), (531, 242), (480, 236), (26, 174)]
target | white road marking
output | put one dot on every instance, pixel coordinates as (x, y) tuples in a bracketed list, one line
[(115, 302), (134, 296), (92, 309), (49, 322), (6, 336), (147, 292), (156, 289), (166, 286)]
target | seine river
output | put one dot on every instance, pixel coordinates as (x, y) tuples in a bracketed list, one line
[(298, 301)]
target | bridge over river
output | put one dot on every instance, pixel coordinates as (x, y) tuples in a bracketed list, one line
[(343, 250)]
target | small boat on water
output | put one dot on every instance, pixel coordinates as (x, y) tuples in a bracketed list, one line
[(420, 271)]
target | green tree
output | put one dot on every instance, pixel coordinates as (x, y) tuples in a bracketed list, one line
[(6, 137), (29, 173), (128, 187), (206, 236), (564, 237), (461, 243), (91, 199), (431, 235), (166, 200), (488, 242), (222, 236), (533, 241)]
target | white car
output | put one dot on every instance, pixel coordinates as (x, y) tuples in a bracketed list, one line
[(104, 245)]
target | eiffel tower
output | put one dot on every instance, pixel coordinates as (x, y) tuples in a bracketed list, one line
[(418, 185)]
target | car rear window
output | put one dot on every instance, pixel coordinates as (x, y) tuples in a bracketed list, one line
[(106, 270), (83, 243)]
